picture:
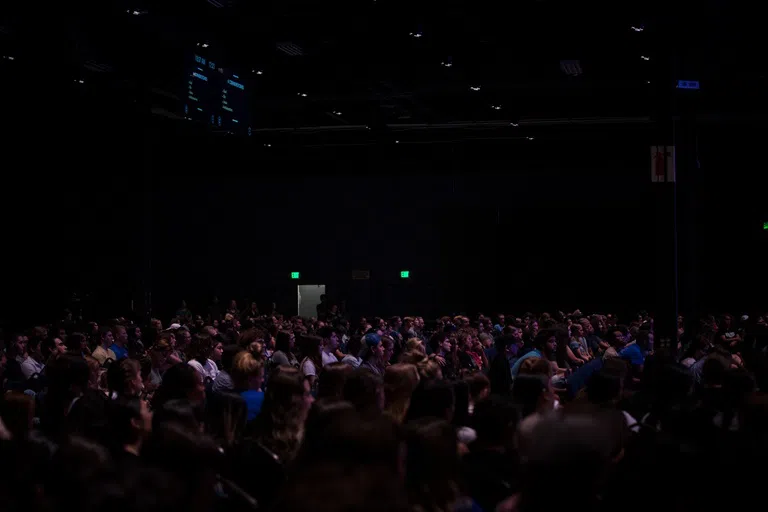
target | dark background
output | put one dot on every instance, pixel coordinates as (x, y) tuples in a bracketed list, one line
[(108, 196), (558, 222)]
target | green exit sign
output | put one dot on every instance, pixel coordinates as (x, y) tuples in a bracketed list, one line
[(295, 275), (765, 226), (405, 274)]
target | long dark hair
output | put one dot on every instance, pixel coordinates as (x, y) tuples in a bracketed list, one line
[(279, 427), (432, 470), (178, 382)]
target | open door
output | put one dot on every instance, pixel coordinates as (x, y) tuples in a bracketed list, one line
[(308, 296)]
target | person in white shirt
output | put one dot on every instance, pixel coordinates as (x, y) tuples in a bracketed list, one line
[(312, 363), (200, 351), (330, 344), (33, 363)]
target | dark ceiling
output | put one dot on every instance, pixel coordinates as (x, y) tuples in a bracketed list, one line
[(402, 65)]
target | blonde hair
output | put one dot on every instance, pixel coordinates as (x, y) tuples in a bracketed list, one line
[(244, 366), (399, 382), (415, 344), (536, 366)]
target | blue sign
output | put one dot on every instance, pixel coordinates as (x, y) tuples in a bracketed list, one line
[(236, 84), (687, 84)]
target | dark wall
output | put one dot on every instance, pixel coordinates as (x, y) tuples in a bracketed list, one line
[(103, 203)]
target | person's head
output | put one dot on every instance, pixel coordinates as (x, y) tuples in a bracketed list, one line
[(546, 341), (330, 338), (94, 367), (130, 420), (495, 421), (365, 391), (106, 337), (159, 352), (533, 393), (415, 344), (433, 398), (285, 341), (604, 387), (228, 354), (577, 330), (77, 343), (334, 377), (120, 335), (279, 425), (616, 339), (218, 350), (124, 378), (586, 326), (400, 381), (183, 337), (373, 351), (387, 348), (247, 371), (479, 386), (53, 346), (201, 347), (180, 381), (432, 464)]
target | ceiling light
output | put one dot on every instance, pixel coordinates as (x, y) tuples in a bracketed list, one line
[(336, 113), (638, 29), (205, 45), (397, 142), (416, 35), (645, 58), (79, 81), (474, 87), (258, 72), (496, 107), (529, 138), (9, 57), (514, 124), (302, 94), (447, 63), (267, 145)]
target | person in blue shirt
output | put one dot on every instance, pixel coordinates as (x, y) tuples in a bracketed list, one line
[(120, 345), (544, 344), (248, 376), (635, 352)]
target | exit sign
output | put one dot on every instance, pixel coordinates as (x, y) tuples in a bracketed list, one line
[(405, 274), (295, 275), (765, 226)]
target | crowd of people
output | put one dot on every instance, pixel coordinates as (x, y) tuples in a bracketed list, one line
[(246, 411)]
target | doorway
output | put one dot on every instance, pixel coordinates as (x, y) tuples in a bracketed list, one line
[(308, 297)]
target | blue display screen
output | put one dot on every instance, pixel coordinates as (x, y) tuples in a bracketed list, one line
[(216, 95)]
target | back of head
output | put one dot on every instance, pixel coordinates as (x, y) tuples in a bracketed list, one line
[(432, 399), (604, 387), (432, 467), (495, 420), (365, 391), (528, 391), (183, 451), (334, 377), (178, 382), (565, 445), (336, 432)]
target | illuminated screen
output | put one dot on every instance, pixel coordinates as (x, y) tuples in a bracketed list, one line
[(216, 95)]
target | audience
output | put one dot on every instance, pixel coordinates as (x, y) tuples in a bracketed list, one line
[(503, 413)]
